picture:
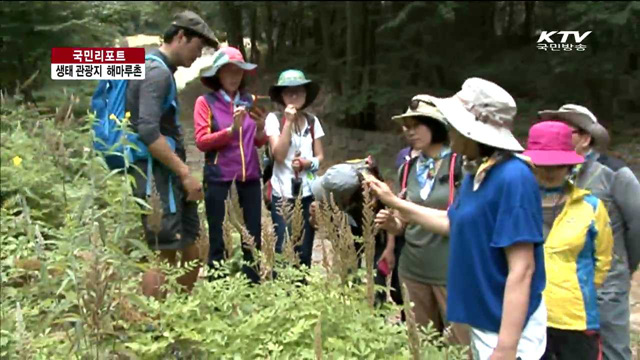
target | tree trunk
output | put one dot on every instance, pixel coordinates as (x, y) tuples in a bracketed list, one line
[(255, 52), (529, 21), (317, 30), (508, 29), (475, 20), (232, 15), (269, 24), (327, 49), (370, 56), (316, 33), (346, 84), (280, 41), (356, 16), (298, 35), (360, 43)]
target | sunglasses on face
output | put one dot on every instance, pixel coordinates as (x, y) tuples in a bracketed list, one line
[(413, 105)]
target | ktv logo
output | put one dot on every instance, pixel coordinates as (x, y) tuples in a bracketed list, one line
[(546, 42)]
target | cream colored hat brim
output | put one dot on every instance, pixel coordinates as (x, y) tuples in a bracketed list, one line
[(409, 114), (466, 124), (432, 112), (582, 121)]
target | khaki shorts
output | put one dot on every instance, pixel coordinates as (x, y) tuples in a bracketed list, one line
[(181, 228), (430, 305)]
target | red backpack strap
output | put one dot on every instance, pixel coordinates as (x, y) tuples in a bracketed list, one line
[(405, 176), (452, 189)]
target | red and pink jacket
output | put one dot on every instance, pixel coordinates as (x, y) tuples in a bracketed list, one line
[(227, 156)]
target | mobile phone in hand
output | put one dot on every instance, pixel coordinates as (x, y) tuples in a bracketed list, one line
[(260, 101), (383, 267)]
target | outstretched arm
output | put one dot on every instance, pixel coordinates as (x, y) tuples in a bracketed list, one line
[(433, 220)]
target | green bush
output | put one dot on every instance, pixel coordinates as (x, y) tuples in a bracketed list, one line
[(71, 260)]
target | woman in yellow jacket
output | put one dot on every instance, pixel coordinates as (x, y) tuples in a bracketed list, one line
[(577, 249)]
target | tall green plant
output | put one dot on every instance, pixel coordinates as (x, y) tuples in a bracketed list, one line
[(71, 277)]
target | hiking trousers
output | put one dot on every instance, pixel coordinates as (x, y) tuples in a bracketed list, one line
[(570, 344), (250, 198), (305, 249), (615, 328)]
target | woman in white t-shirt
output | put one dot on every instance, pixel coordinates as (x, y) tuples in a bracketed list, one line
[(294, 141)]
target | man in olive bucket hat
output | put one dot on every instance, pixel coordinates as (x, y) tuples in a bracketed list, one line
[(192, 21), (615, 184)]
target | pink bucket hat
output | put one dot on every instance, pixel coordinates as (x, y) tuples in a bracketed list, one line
[(549, 144), (226, 55)]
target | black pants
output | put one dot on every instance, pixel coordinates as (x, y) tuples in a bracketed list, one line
[(379, 279), (250, 197), (305, 250), (570, 344)]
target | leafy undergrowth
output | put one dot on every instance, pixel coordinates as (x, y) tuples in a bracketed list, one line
[(71, 261)]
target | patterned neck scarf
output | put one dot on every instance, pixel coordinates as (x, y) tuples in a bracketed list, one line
[(576, 169), (227, 98), (480, 167), (426, 171)]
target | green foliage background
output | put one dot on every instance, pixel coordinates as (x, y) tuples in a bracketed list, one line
[(71, 262), (371, 56)]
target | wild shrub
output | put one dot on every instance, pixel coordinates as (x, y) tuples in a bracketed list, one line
[(72, 256)]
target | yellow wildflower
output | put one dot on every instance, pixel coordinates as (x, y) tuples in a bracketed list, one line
[(17, 161), (113, 117), (127, 115)]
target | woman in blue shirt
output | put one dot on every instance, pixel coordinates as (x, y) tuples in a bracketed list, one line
[(496, 262)]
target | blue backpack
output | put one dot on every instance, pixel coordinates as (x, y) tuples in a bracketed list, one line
[(108, 100)]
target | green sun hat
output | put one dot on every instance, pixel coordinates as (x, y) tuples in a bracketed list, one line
[(291, 78)]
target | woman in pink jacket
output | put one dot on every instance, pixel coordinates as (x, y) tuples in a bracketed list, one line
[(229, 135)]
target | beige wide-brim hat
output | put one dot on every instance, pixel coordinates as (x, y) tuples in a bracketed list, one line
[(580, 117), (483, 112), (421, 105)]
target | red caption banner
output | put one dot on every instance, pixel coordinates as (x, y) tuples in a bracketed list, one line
[(97, 63)]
